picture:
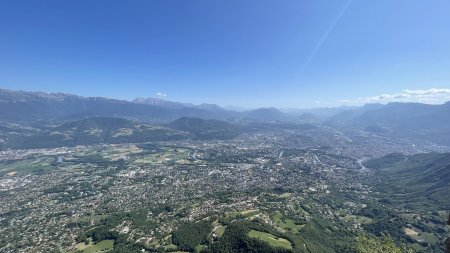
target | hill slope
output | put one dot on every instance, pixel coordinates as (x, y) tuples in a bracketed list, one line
[(422, 179), (100, 130), (265, 115), (410, 120), (206, 129)]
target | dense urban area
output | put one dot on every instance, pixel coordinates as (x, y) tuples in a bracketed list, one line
[(283, 188)]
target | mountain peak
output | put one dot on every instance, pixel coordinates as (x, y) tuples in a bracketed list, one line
[(26, 96), (266, 114), (161, 102)]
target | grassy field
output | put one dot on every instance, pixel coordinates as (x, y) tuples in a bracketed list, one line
[(220, 230), (170, 247), (198, 248), (167, 154), (81, 246), (359, 219), (270, 239), (245, 214), (108, 153), (430, 237), (287, 224), (248, 213), (100, 247), (26, 165), (114, 153)]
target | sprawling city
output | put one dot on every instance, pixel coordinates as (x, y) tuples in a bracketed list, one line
[(284, 183), (200, 126)]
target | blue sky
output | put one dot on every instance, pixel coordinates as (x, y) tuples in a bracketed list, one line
[(290, 53)]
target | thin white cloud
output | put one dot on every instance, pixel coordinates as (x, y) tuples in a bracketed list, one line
[(429, 96), (160, 94)]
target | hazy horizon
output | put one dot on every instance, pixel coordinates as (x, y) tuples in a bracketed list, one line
[(431, 96)]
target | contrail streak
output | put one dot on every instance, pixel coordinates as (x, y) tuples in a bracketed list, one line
[(324, 38)]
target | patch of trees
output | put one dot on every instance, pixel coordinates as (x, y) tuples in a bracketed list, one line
[(385, 161), (121, 243), (370, 244), (102, 233), (384, 221), (189, 235), (317, 236), (322, 236), (104, 230), (236, 239), (225, 197), (279, 190), (150, 148)]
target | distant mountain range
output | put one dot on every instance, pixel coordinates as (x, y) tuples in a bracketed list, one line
[(29, 107), (262, 114), (177, 105), (424, 121), (25, 113), (162, 103)]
